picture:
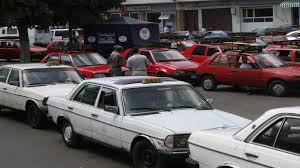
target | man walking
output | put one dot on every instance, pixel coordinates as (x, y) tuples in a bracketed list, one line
[(137, 63)]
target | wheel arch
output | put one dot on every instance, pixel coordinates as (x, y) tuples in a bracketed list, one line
[(207, 74), (138, 138), (228, 165), (274, 79), (61, 119), (29, 102)]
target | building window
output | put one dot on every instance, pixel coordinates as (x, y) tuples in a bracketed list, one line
[(257, 15), (3, 31)]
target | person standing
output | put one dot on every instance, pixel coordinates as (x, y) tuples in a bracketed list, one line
[(137, 63), (116, 61), (190, 35)]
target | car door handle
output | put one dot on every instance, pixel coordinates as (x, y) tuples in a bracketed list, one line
[(70, 108), (4, 89), (249, 155), (94, 115)]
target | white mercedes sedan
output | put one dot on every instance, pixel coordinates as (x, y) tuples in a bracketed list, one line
[(26, 87), (151, 118), (271, 141)]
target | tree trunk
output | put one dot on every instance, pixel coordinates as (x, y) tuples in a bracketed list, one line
[(24, 44)]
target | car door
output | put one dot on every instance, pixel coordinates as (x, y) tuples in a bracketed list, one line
[(106, 123), (285, 55), (151, 68), (199, 54), (4, 73), (220, 69), (83, 108), (14, 98), (247, 77), (296, 61), (276, 146)]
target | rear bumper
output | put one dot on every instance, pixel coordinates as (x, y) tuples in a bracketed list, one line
[(172, 159), (191, 163), (187, 77)]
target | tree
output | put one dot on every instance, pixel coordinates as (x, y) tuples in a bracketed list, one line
[(24, 14), (30, 13)]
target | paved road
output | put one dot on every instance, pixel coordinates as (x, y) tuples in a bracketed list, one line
[(23, 147)]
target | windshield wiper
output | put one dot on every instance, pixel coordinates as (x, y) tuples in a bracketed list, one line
[(194, 107), (144, 113)]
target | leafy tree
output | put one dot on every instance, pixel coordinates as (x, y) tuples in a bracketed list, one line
[(30, 13)]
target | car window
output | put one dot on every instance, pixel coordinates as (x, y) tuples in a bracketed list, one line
[(147, 54), (289, 137), (107, 98), (211, 51), (285, 55), (14, 78), (200, 50), (268, 136), (297, 56), (3, 74), (221, 60), (66, 60), (90, 94), (79, 95)]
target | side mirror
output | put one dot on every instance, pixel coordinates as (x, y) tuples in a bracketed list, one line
[(210, 101), (112, 109), (14, 83)]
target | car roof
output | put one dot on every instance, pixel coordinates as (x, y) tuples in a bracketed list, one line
[(72, 53), (154, 49), (33, 66), (284, 110), (134, 82)]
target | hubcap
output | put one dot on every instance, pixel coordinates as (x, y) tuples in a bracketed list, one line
[(278, 89), (207, 84), (149, 159), (68, 133)]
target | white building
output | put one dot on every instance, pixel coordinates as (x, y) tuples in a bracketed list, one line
[(231, 15)]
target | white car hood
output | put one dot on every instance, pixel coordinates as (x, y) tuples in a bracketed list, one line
[(58, 90), (190, 120)]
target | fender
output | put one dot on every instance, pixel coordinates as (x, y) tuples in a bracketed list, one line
[(145, 137)]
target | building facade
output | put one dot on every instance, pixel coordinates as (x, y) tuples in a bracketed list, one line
[(229, 15)]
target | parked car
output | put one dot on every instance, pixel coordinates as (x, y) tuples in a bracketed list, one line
[(290, 55), (88, 64), (267, 71), (140, 115), (200, 52), (168, 63), (294, 35), (270, 141), (215, 34), (26, 87), (268, 30), (10, 49)]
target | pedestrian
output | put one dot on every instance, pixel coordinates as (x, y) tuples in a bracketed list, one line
[(116, 61), (190, 35), (167, 29), (137, 63)]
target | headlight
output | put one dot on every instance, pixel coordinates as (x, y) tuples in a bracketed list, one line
[(99, 76), (177, 141), (179, 72)]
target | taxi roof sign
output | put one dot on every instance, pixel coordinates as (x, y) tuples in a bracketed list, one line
[(242, 47), (53, 62), (151, 80), (287, 43)]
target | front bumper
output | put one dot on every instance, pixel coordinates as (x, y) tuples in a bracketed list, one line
[(173, 159), (187, 77), (191, 163)]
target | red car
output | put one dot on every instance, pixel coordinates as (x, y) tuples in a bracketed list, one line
[(200, 52), (261, 71), (166, 62), (10, 49), (88, 64)]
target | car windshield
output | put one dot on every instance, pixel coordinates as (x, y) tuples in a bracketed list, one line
[(89, 59), (46, 76), (269, 60), (166, 56), (153, 99)]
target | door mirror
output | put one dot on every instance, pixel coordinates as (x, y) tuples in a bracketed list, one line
[(210, 101), (112, 109), (14, 83)]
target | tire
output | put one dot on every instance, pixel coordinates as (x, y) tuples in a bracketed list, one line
[(70, 138), (208, 83), (36, 118), (277, 88), (144, 155)]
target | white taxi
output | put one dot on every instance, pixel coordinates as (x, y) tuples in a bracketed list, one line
[(149, 118), (271, 141), (26, 87)]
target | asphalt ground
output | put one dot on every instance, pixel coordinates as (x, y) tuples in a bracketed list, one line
[(24, 147)]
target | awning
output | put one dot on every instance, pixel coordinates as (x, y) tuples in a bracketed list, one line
[(164, 17), (289, 4)]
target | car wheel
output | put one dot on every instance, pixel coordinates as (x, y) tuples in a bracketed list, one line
[(36, 118), (144, 155), (70, 138), (208, 83), (277, 88)]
